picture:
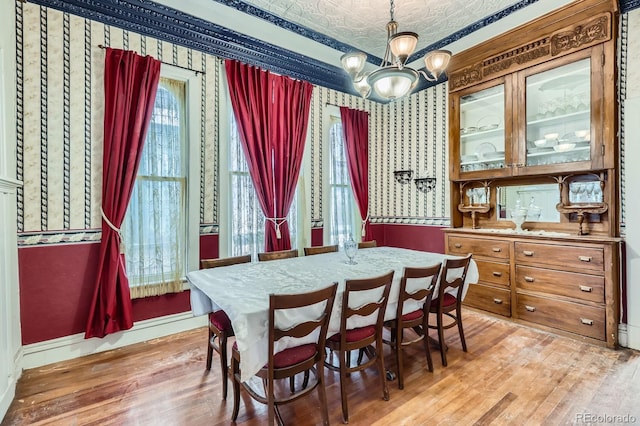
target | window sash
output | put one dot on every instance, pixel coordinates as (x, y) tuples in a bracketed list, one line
[(155, 226)]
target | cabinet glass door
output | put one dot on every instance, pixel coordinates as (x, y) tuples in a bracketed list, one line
[(558, 109), (482, 134)]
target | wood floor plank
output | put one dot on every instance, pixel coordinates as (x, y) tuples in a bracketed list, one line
[(511, 375)]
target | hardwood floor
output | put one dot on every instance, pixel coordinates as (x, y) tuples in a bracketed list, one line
[(511, 375)]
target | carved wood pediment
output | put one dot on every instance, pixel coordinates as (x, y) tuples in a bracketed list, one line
[(564, 41)]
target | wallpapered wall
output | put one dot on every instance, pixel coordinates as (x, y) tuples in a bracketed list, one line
[(60, 118)]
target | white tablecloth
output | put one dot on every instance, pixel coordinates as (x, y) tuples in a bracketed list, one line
[(242, 291)]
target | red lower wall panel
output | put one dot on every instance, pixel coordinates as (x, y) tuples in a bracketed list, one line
[(209, 248), (56, 289), (57, 281), (417, 237), (317, 237)]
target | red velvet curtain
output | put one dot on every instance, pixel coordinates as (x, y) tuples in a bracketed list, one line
[(272, 113), (355, 129), (130, 84)]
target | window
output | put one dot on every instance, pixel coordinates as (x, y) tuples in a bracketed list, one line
[(155, 229), (246, 217), (342, 218)]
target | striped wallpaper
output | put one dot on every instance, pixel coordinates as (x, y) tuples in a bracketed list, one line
[(59, 72)]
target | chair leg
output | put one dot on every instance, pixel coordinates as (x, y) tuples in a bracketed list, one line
[(209, 350), (235, 370), (343, 380), (399, 364), (222, 343), (382, 372), (271, 406), (425, 341), (305, 381), (461, 331), (322, 394), (441, 340)]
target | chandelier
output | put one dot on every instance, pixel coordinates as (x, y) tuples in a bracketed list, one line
[(393, 80)]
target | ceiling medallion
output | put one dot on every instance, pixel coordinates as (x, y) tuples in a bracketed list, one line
[(393, 80)]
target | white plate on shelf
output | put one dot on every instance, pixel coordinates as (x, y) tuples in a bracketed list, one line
[(484, 148), (538, 150), (493, 155)]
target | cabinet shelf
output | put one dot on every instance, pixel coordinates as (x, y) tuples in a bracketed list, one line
[(559, 118)]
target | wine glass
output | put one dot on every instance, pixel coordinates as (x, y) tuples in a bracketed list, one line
[(350, 249)]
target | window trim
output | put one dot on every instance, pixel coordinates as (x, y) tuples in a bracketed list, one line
[(192, 135), (332, 112)]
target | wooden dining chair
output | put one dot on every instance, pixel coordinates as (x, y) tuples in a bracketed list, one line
[(308, 251), (275, 255), (449, 301), (219, 323), (367, 244), (313, 314), (361, 298), (416, 286)]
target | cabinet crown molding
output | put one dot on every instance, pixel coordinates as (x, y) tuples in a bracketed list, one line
[(559, 42)]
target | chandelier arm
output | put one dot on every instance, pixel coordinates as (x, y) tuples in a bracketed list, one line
[(427, 76)]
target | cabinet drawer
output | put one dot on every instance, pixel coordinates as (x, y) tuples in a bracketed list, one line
[(573, 317), (565, 256), (489, 298), (479, 247), (570, 284), (493, 272)]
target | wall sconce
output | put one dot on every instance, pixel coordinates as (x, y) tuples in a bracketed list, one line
[(403, 176), (425, 184)]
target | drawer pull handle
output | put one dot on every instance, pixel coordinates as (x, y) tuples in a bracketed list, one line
[(530, 308), (497, 301), (586, 289), (457, 245), (586, 321), (529, 279), (497, 274), (584, 258), (496, 249), (527, 252)]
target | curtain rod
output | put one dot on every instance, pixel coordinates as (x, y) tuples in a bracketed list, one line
[(167, 63), (335, 105)]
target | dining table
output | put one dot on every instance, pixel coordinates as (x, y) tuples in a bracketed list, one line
[(243, 290)]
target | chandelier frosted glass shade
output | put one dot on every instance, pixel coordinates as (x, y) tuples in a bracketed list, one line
[(437, 61), (393, 83), (353, 63), (402, 45)]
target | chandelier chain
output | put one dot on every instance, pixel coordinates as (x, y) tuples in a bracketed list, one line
[(392, 10)]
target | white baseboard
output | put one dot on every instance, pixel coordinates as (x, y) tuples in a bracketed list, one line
[(69, 347), (7, 397), (632, 334), (10, 391)]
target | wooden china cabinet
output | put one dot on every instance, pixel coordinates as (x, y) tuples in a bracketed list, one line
[(534, 171)]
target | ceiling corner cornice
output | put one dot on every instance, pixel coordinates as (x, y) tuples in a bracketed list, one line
[(170, 25)]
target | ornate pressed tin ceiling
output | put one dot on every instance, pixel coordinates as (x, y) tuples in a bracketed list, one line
[(305, 38)]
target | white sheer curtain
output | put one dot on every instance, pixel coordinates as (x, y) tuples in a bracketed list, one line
[(342, 213), (155, 229), (246, 217)]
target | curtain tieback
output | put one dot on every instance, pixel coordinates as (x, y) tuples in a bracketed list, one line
[(277, 221), (115, 228), (364, 223)]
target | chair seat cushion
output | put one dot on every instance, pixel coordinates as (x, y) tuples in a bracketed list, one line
[(356, 334), (448, 300), (294, 355), (289, 356), (412, 315), (220, 320)]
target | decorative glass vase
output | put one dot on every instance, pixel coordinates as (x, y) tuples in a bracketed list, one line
[(350, 249), (518, 215)]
